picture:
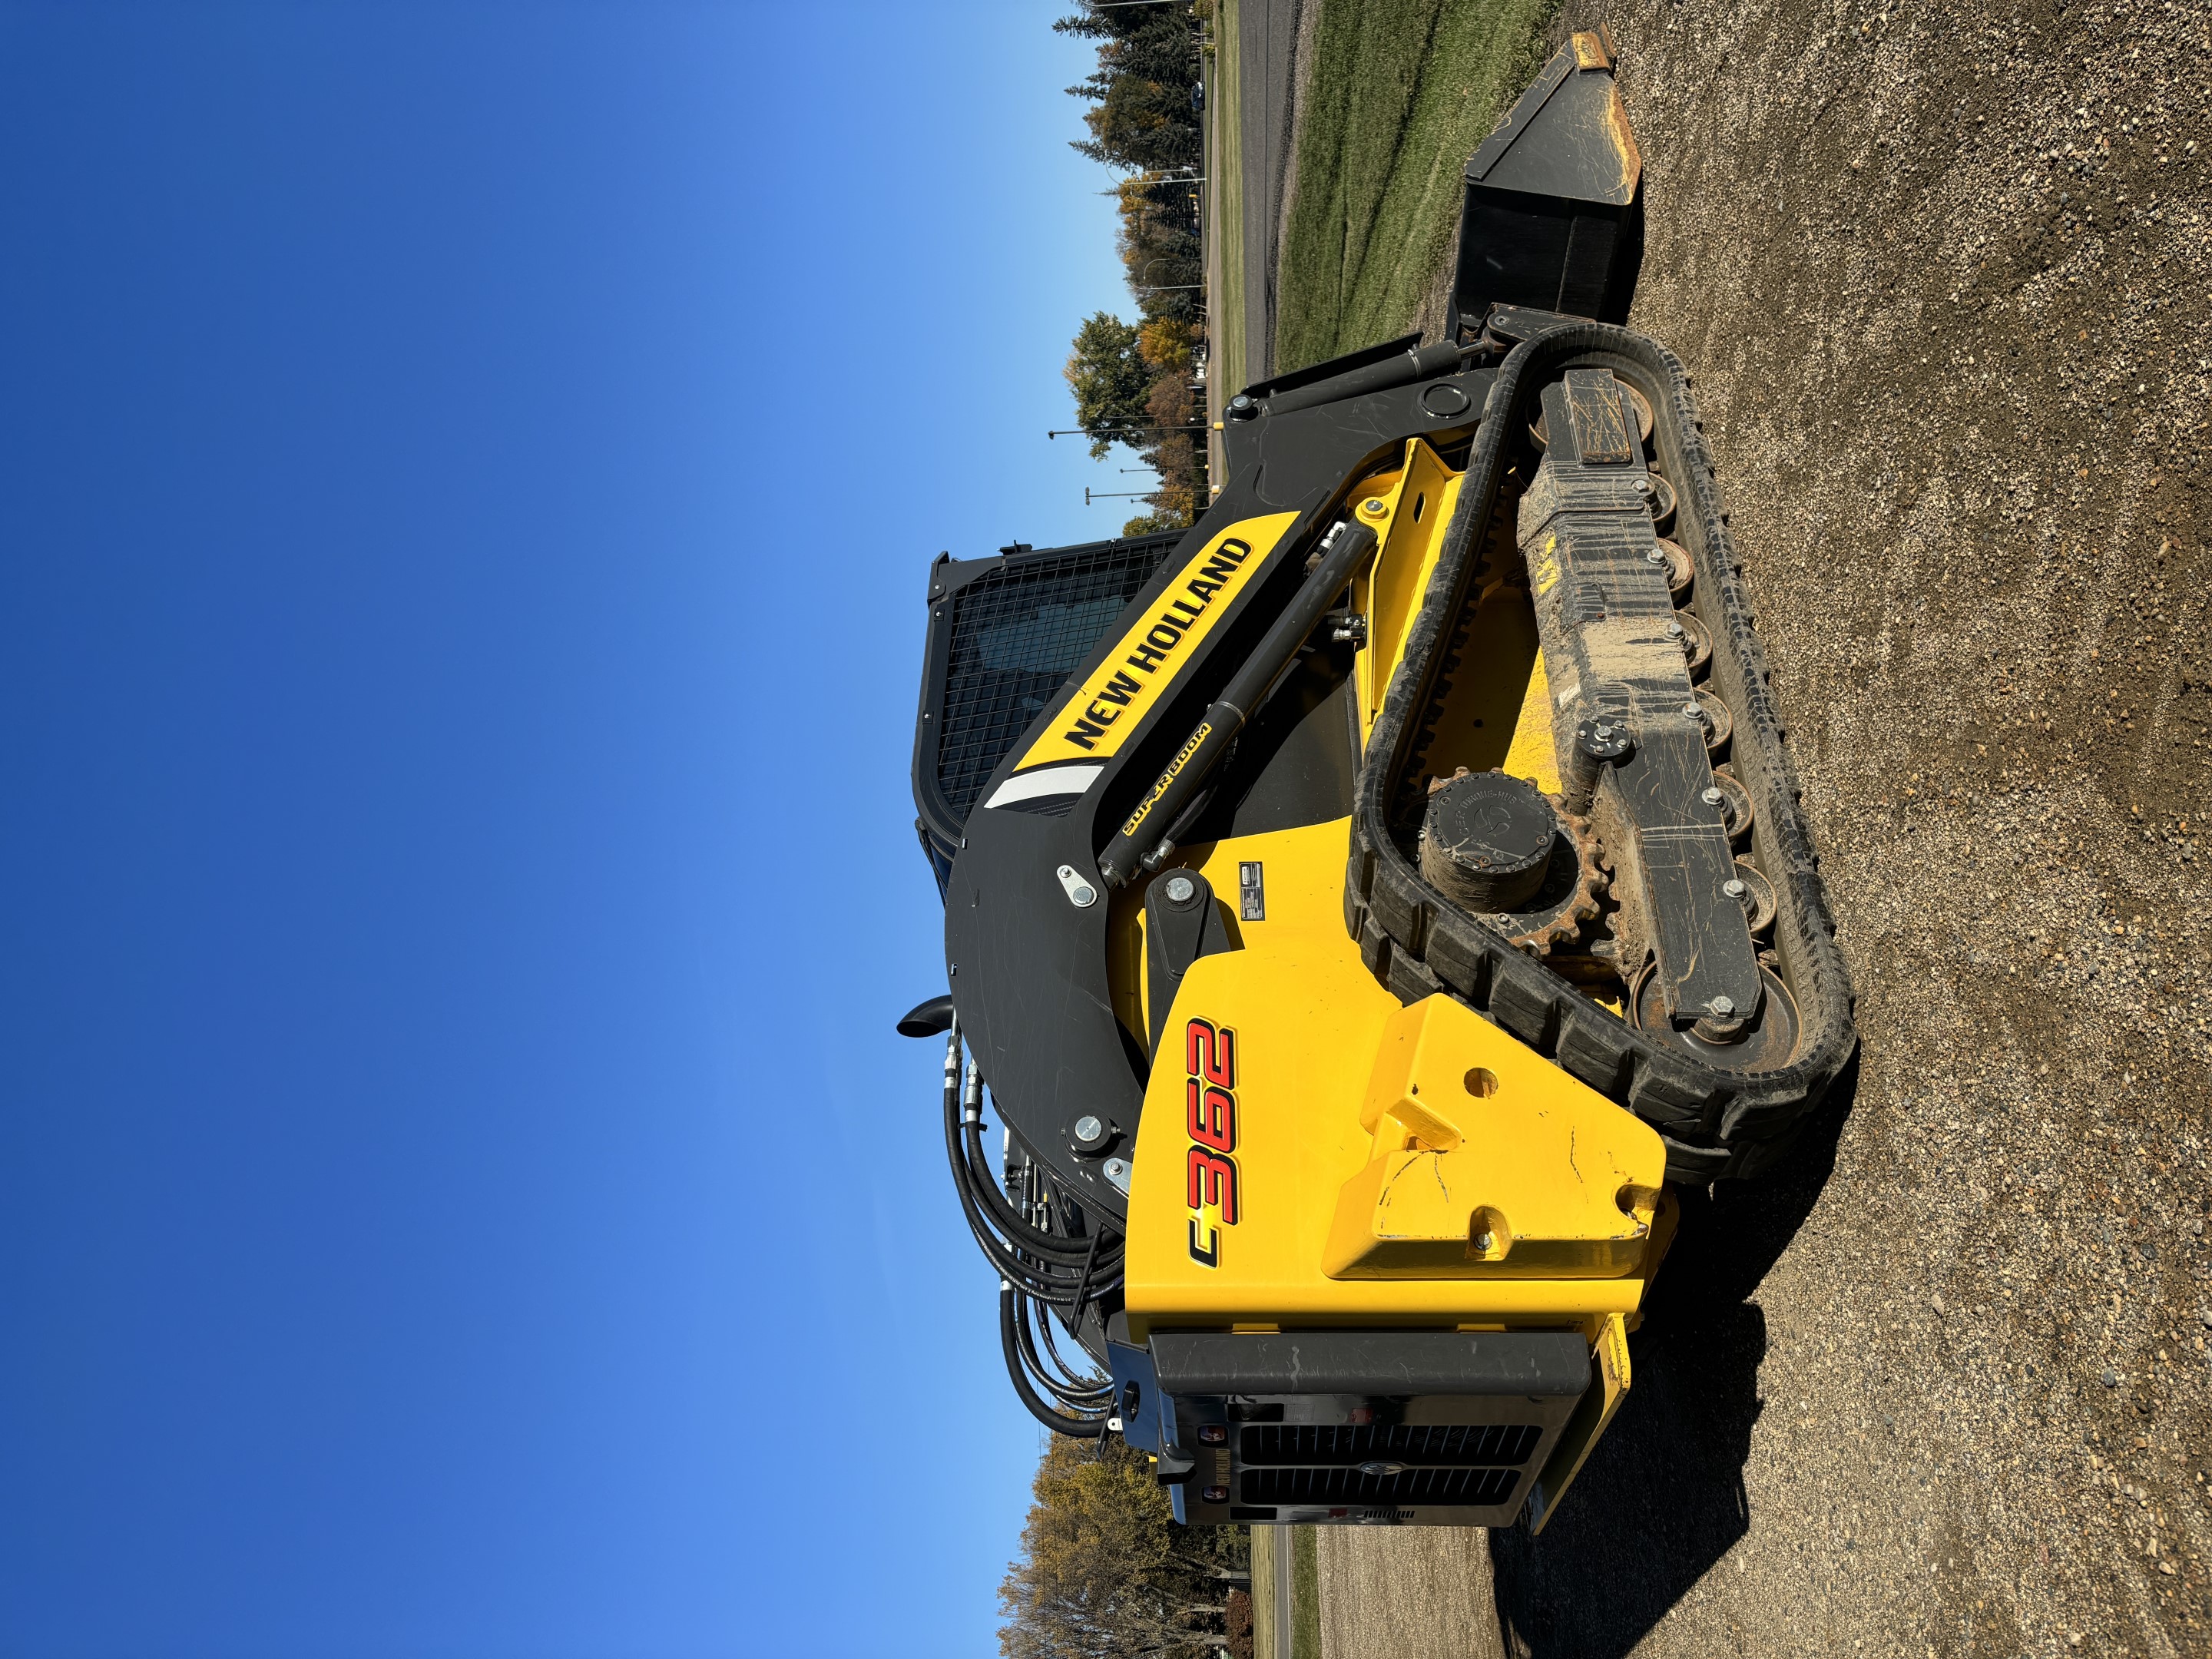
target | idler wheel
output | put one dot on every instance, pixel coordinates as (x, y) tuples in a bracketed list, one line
[(1763, 1043), (1540, 430), (1641, 404), (1486, 841)]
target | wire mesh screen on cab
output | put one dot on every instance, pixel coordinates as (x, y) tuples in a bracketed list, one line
[(1019, 631)]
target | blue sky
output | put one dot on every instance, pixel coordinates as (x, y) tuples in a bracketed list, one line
[(470, 475)]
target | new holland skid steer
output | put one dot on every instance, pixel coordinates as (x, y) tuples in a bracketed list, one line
[(1361, 907)]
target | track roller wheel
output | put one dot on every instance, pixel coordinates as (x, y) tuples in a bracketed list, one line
[(1761, 1044)]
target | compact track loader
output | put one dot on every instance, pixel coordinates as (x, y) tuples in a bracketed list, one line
[(1363, 907)]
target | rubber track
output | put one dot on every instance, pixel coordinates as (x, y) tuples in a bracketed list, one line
[(1717, 1123)]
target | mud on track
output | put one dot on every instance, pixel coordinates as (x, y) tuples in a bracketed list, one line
[(1942, 277)]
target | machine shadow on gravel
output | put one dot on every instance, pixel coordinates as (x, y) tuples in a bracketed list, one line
[(1662, 1498)]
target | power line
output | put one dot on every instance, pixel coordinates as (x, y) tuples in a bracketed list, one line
[(1085, 432)]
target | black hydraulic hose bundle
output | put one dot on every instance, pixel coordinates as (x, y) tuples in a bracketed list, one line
[(1042, 1360), (1044, 1265), (1071, 1384), (1047, 1247), (1011, 1339), (1038, 1270)]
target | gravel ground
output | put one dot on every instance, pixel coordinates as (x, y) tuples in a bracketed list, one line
[(1941, 1388)]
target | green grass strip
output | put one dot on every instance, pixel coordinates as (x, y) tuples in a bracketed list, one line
[(1306, 1593), (1400, 93), (1264, 1557), (1226, 311)]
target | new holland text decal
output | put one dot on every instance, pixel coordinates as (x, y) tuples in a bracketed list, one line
[(1130, 682), (1210, 1059)]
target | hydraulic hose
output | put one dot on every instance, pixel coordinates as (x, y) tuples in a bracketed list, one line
[(1051, 1273), (1058, 1379), (976, 1175), (1075, 1388), (1009, 1340), (977, 1192), (1071, 1252), (1019, 1229), (1034, 1266)]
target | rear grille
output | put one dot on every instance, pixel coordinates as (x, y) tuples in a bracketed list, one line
[(1017, 632), (1466, 1488), (1451, 1445)]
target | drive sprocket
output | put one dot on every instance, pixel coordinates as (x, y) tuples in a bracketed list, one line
[(1560, 903)]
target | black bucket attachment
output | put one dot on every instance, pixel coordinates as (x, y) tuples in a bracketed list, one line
[(1554, 220)]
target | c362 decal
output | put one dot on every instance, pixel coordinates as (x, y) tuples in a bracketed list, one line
[(1210, 1095)]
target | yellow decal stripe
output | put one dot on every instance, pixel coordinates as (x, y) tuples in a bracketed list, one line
[(1136, 674)]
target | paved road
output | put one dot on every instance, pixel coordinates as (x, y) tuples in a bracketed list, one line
[(1267, 45)]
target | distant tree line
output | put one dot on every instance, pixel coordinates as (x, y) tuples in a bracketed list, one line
[(1105, 1573), (1130, 379)]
